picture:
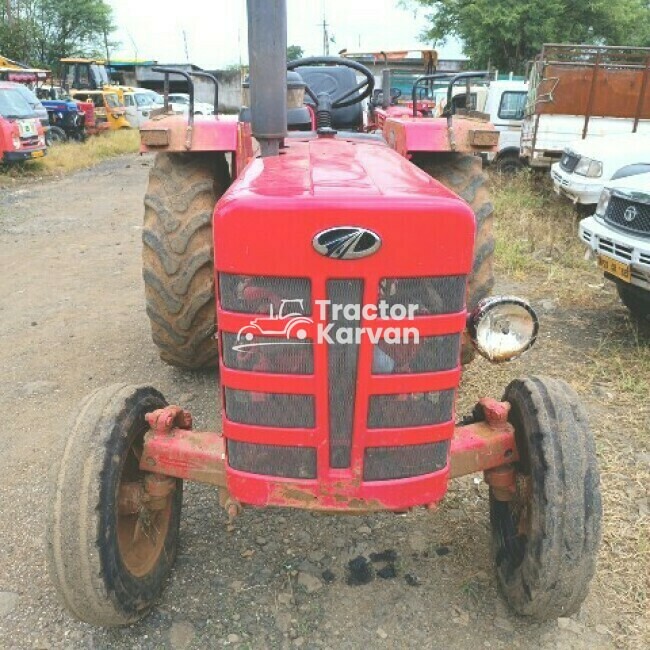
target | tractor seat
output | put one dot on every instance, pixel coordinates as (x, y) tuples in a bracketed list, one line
[(335, 80)]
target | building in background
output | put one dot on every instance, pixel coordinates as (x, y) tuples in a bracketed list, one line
[(141, 74)]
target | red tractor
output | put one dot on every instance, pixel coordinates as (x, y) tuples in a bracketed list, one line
[(392, 270)]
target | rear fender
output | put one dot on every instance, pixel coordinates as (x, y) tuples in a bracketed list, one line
[(172, 133), (408, 135)]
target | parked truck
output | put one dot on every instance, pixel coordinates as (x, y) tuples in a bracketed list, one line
[(582, 92)]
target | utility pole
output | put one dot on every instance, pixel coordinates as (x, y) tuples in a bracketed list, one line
[(187, 52), (326, 38)]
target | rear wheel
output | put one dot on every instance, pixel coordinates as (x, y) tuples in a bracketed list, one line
[(546, 539), (637, 300), (463, 174), (178, 255), (112, 529)]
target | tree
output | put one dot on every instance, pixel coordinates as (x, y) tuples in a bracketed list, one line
[(508, 33), (41, 32), (294, 52)]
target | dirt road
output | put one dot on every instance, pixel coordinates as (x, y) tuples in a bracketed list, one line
[(72, 319)]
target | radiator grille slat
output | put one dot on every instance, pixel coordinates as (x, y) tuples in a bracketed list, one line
[(255, 294), (432, 296), (273, 460), (342, 359), (389, 463), (267, 354), (410, 410), (270, 409), (430, 354)]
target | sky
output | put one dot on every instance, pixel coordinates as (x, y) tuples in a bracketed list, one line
[(216, 30)]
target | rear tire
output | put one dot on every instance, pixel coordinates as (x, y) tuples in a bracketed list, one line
[(463, 174), (109, 566), (546, 539), (178, 255), (637, 300)]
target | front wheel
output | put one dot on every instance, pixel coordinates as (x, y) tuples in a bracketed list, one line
[(112, 530), (546, 538), (55, 135), (509, 164), (637, 300)]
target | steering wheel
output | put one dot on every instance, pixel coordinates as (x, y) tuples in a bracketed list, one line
[(323, 101)]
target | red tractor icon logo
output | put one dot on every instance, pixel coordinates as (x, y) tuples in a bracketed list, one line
[(289, 322)]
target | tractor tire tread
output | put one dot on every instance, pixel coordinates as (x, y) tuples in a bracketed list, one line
[(463, 174), (178, 255), (560, 558), (75, 547)]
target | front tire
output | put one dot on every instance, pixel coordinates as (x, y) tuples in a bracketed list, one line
[(55, 135), (637, 300), (178, 255), (509, 164), (546, 539), (109, 560)]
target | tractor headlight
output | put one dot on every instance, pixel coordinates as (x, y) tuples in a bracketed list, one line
[(589, 167), (503, 328), (603, 202), (16, 141)]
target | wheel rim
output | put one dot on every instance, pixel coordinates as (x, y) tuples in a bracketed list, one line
[(142, 524)]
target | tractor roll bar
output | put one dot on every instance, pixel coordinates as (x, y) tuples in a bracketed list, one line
[(419, 80), (211, 77), (485, 74), (190, 86)]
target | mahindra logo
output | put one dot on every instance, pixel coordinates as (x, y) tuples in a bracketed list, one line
[(630, 214), (346, 243)]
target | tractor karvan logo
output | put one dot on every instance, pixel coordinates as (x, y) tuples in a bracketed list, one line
[(289, 325), (346, 242)]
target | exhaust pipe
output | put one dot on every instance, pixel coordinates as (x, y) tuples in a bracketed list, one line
[(267, 54), (385, 88)]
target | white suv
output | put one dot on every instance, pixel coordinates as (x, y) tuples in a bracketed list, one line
[(619, 234), (587, 165), (183, 100)]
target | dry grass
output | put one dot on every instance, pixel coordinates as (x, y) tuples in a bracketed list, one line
[(72, 156), (590, 340)]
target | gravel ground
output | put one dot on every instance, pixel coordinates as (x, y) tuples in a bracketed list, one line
[(72, 319)]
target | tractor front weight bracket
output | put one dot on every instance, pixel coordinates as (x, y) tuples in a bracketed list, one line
[(173, 449)]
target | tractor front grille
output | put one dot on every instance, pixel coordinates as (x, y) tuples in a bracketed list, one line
[(272, 460), (342, 361), (389, 463), (628, 215), (270, 409), (345, 393), (410, 409)]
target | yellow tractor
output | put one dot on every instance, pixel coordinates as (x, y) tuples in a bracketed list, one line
[(87, 80)]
